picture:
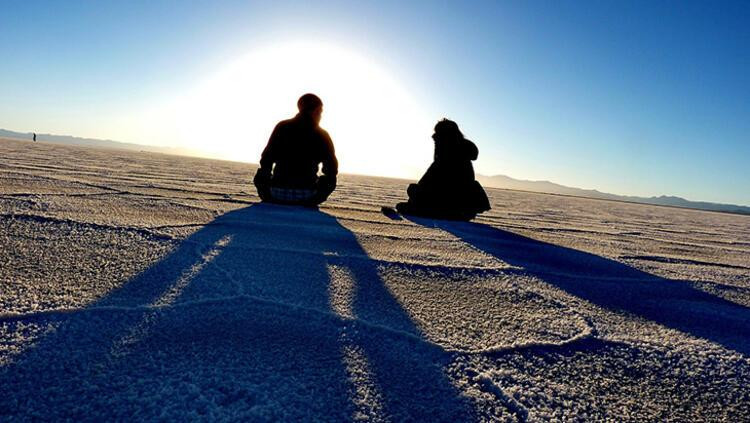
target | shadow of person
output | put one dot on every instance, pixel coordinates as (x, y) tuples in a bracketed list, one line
[(612, 285), (267, 313)]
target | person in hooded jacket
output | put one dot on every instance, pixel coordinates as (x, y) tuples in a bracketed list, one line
[(448, 189)]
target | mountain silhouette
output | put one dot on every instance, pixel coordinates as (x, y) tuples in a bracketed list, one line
[(506, 182), (97, 143)]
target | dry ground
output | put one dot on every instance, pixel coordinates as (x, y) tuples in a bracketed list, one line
[(153, 286)]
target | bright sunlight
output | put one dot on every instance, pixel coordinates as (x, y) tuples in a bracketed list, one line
[(376, 126)]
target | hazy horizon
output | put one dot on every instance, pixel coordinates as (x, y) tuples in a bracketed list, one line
[(634, 99), (177, 151)]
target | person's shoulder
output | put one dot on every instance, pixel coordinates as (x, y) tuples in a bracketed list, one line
[(323, 133), (282, 128), (285, 123)]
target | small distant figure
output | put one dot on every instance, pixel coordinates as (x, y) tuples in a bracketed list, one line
[(34, 136), (289, 164), (448, 189)]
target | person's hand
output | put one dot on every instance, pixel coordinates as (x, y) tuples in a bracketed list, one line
[(326, 183), (411, 190), (262, 177), (262, 182)]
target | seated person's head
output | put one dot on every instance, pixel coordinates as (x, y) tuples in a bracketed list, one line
[(310, 105), (447, 130)]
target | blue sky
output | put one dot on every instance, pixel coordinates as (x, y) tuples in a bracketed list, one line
[(636, 97)]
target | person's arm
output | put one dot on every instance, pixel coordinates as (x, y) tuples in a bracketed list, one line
[(330, 163), (327, 181), (268, 157), (262, 179)]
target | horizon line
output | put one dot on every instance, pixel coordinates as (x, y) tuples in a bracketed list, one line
[(187, 152)]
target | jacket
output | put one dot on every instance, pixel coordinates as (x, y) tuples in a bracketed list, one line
[(294, 151)]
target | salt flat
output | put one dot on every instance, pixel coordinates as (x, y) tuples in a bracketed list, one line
[(147, 286)]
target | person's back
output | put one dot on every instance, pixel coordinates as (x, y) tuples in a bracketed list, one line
[(289, 164), (452, 163), (297, 147), (448, 188)]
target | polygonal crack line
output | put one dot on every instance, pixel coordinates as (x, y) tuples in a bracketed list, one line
[(587, 327)]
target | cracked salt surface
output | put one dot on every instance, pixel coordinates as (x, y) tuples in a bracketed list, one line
[(155, 287)]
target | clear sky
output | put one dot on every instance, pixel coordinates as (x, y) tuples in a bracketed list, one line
[(629, 97)]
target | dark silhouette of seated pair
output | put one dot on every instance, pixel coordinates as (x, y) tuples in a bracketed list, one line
[(297, 147)]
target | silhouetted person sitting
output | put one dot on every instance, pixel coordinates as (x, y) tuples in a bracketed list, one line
[(289, 164), (448, 189)]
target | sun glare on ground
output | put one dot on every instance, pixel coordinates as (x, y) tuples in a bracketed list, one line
[(376, 126)]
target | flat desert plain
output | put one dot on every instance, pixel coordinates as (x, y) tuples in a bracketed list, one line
[(146, 286)]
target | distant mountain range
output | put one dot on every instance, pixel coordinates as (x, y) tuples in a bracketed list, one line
[(92, 142), (502, 181)]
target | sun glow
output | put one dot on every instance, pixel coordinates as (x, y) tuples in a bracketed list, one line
[(376, 126)]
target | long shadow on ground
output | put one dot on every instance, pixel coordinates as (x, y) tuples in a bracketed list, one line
[(613, 285), (238, 322)]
